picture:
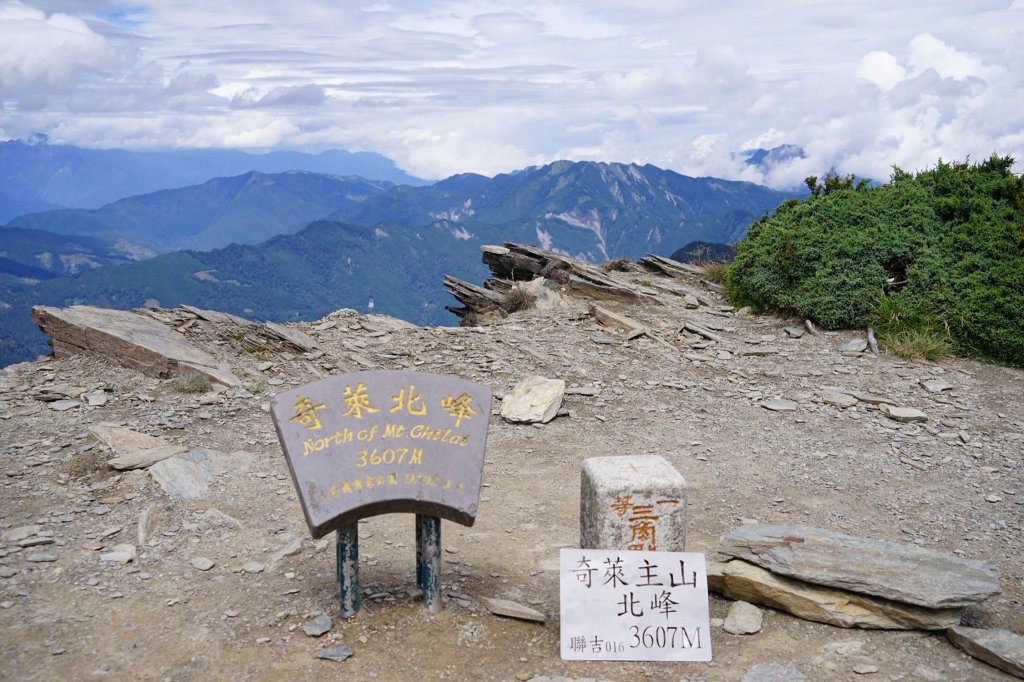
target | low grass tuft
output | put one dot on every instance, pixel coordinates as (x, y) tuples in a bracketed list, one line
[(713, 271), (192, 382), (518, 299), (917, 343), (617, 265)]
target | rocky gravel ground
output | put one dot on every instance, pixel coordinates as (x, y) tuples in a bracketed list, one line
[(104, 575)]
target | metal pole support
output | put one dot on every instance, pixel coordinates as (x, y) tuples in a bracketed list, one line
[(347, 539), (428, 560)]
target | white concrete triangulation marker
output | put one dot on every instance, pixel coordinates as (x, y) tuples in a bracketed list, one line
[(635, 502)]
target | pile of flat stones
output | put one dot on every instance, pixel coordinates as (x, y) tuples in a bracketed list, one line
[(856, 582)]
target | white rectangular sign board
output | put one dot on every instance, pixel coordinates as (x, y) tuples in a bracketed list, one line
[(634, 606)]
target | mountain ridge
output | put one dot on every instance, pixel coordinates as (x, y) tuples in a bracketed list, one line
[(41, 176), (247, 208), (601, 210)]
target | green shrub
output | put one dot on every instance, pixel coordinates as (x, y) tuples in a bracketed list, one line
[(932, 257)]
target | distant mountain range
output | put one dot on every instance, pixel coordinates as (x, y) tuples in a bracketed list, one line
[(376, 246), (36, 176), (593, 211), (766, 158), (245, 209)]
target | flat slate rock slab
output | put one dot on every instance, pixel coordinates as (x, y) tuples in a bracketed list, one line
[(997, 647), (741, 580), (511, 609), (894, 571), (126, 339)]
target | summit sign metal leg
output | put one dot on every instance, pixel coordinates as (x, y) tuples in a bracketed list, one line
[(347, 538), (428, 564), (428, 560)]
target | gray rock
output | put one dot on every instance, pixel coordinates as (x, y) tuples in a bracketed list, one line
[(40, 557), (894, 571), (124, 440), (295, 337), (997, 647), (780, 405), (774, 671), (760, 351), (904, 414), (794, 332), (841, 400), (511, 609), (19, 533), (335, 653), (46, 540), (218, 518), (253, 567), (119, 554), (126, 339), (8, 571), (96, 399), (149, 519), (855, 346), (743, 619), (183, 478), (604, 340), (865, 669), (292, 546), (936, 385), (140, 459), (318, 626), (188, 476), (743, 581), (612, 319), (64, 405), (535, 400), (201, 563)]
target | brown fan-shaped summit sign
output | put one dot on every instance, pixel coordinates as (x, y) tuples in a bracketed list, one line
[(384, 441)]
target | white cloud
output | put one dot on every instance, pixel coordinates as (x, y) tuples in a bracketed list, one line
[(447, 86), (928, 52), (882, 69), (41, 54)]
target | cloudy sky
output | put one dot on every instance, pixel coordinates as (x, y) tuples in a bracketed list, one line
[(489, 86)]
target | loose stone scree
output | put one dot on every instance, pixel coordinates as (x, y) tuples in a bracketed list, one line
[(380, 442)]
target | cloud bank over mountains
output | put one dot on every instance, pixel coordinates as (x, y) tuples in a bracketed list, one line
[(490, 86)]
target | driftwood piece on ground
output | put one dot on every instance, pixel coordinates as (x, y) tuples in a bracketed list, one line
[(872, 342)]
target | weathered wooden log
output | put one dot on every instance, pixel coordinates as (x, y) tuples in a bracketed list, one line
[(872, 342)]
